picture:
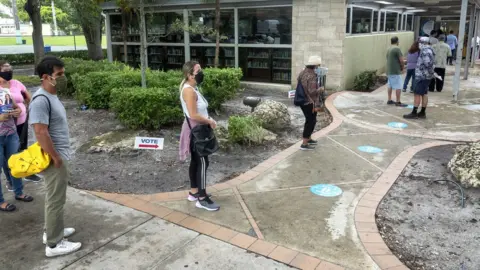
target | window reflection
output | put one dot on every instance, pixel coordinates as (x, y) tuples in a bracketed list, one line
[(391, 24), (165, 27), (265, 25), (361, 20), (206, 19)]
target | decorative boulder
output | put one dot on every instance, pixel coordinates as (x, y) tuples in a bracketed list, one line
[(272, 115), (465, 165)]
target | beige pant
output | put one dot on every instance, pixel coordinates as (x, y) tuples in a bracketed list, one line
[(56, 181)]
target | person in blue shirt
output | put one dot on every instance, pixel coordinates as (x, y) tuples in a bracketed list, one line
[(452, 41)]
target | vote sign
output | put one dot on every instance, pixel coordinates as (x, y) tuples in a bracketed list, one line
[(148, 143)]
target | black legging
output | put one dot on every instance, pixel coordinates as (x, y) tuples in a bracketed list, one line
[(310, 120), (22, 131), (198, 172)]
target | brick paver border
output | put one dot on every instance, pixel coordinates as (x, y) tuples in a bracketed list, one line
[(365, 210), (364, 213)]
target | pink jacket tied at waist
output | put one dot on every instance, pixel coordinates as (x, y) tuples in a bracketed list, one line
[(185, 137)]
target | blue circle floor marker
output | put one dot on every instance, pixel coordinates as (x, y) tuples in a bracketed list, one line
[(326, 190), (397, 125), (370, 149), (409, 107)]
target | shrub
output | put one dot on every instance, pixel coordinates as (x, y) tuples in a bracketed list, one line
[(365, 80), (147, 108), (82, 67), (94, 89), (220, 85), (245, 129), (29, 58), (28, 81)]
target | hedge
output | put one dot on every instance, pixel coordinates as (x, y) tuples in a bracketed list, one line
[(146, 108), (29, 58), (82, 67), (245, 130), (220, 85), (94, 88)]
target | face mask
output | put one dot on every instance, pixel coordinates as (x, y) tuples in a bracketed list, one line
[(60, 83), (199, 77), (318, 70), (7, 75)]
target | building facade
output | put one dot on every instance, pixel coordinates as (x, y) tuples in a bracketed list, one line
[(269, 40)]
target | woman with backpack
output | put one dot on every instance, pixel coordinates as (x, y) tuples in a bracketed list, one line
[(309, 81), (195, 108), (412, 58)]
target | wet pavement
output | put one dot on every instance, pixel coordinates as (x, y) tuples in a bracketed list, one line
[(277, 208)]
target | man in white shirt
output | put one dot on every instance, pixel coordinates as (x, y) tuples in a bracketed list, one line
[(474, 43)]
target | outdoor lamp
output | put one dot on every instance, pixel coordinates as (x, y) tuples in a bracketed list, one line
[(251, 102)]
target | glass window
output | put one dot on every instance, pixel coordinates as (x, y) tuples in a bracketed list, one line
[(361, 20), (204, 20), (382, 21), (131, 32), (267, 65), (265, 25), (165, 27), (375, 21), (206, 56), (348, 20), (409, 26), (132, 54), (391, 22)]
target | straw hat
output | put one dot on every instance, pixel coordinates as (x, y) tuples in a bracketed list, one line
[(314, 61)]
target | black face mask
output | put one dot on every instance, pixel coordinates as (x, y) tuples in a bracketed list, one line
[(199, 77), (6, 75)]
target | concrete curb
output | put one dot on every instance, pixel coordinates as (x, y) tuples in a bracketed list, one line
[(365, 210)]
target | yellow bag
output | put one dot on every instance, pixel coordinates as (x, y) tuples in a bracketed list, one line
[(31, 161)]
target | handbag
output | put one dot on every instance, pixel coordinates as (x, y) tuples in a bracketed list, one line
[(203, 139), (32, 160)]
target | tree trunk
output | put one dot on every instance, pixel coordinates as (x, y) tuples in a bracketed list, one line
[(32, 7), (143, 45), (217, 30), (92, 30)]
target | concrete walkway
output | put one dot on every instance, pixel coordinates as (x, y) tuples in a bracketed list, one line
[(267, 211)]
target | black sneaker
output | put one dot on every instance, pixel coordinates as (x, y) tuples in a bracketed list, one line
[(390, 102), (312, 142), (404, 90), (306, 147), (9, 186), (411, 91), (422, 115), (411, 116), (399, 104), (33, 178)]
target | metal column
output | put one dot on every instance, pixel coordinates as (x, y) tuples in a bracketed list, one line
[(471, 26), (475, 49), (458, 62)]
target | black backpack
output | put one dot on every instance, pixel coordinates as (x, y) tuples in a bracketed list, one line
[(300, 97)]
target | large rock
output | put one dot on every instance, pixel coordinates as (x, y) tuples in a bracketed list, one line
[(273, 115), (465, 165), (121, 140)]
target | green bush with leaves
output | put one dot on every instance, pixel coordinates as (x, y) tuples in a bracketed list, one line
[(220, 85), (365, 80), (29, 58), (82, 67), (245, 130), (94, 89), (146, 108)]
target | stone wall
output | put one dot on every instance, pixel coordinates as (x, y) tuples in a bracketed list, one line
[(319, 29)]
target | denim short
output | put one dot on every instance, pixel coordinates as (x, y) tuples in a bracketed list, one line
[(395, 82)]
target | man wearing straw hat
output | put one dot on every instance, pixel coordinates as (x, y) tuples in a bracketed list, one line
[(308, 79)]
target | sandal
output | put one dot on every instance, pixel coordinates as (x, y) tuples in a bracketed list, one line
[(25, 198), (8, 208)]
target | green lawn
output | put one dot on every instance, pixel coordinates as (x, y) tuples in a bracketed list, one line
[(48, 40)]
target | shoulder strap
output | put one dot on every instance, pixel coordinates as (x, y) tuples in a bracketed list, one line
[(49, 106)]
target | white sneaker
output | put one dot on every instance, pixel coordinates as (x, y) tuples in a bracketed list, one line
[(66, 233), (64, 247)]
